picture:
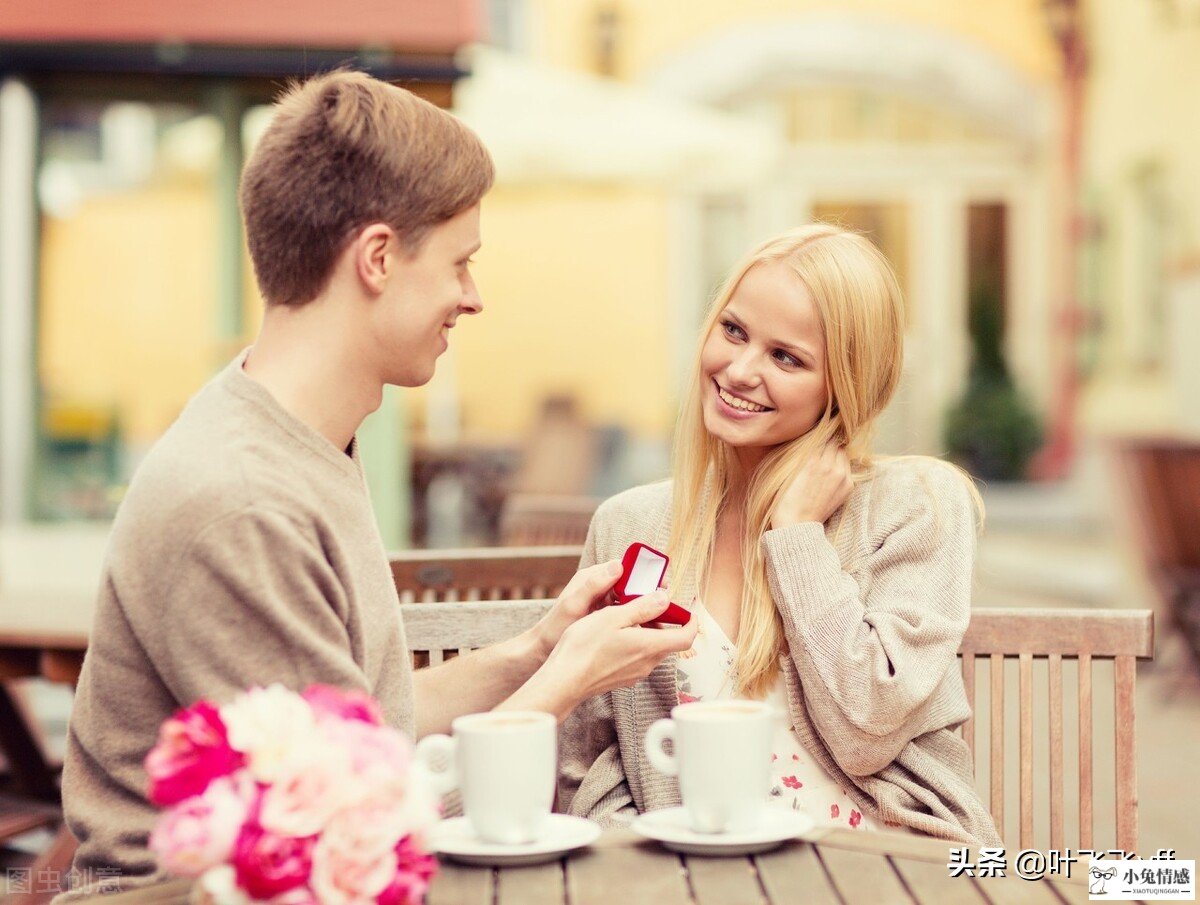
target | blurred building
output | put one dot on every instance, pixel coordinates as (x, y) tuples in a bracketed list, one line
[(125, 283), (1140, 277), (934, 127), (1038, 154)]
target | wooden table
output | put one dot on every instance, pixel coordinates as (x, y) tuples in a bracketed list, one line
[(835, 866), (53, 656)]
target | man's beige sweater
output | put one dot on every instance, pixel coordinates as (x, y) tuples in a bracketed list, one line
[(246, 552), (874, 606)]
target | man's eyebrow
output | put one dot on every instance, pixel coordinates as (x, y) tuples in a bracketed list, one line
[(790, 347), (474, 248)]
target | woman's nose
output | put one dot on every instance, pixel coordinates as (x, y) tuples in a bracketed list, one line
[(743, 368)]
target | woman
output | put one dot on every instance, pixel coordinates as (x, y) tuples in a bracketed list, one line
[(835, 585)]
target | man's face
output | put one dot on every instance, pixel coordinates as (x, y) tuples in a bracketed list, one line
[(426, 294)]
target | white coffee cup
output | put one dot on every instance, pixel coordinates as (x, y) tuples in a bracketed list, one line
[(722, 756), (505, 763)]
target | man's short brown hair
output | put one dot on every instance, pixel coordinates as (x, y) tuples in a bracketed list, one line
[(345, 150)]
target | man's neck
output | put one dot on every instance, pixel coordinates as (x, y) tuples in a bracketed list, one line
[(303, 360)]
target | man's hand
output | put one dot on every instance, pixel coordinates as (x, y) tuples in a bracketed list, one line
[(822, 484), (603, 650), (586, 591)]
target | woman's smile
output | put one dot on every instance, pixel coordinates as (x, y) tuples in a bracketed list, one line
[(739, 408)]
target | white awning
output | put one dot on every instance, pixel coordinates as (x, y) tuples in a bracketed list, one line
[(542, 123)]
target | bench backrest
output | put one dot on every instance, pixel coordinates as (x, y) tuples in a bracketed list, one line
[(1079, 639), (486, 573)]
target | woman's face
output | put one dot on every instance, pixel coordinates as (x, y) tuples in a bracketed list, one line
[(763, 365)]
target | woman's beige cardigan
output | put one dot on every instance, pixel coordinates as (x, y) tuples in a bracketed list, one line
[(874, 607)]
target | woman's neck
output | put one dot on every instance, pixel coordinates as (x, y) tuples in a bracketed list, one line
[(746, 460)]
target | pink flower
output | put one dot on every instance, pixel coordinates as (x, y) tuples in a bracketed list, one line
[(686, 698), (372, 749), (299, 895), (855, 817), (414, 869), (200, 833), (326, 700), (267, 864), (193, 749), (792, 782), (307, 793), (834, 810), (356, 858)]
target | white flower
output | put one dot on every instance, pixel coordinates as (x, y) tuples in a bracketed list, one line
[(274, 727)]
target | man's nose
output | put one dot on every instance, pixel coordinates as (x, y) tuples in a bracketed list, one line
[(471, 302)]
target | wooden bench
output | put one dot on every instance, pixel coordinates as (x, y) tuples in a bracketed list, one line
[(485, 573), (439, 631)]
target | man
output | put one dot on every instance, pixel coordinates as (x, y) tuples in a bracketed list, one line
[(246, 551)]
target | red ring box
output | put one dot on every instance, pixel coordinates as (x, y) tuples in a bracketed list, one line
[(642, 571)]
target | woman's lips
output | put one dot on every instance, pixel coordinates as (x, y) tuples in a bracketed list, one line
[(730, 411)]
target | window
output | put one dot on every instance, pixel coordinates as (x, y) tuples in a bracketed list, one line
[(127, 320)]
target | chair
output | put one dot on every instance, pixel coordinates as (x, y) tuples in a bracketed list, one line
[(57, 658), (1162, 483), (994, 635), (488, 573), (529, 519), (1055, 635)]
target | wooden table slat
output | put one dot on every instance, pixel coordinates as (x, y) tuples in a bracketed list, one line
[(621, 868), (931, 884), (457, 884), (1012, 890), (536, 883), (863, 876), (795, 874), (723, 881)]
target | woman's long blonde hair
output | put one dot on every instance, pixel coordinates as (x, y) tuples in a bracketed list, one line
[(861, 311)]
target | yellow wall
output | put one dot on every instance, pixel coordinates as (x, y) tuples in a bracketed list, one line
[(126, 312), (574, 284), (651, 31)]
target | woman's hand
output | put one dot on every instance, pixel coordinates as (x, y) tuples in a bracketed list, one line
[(821, 486)]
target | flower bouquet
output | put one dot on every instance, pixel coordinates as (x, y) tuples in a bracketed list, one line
[(292, 799)]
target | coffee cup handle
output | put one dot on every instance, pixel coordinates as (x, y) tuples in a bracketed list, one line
[(659, 732), (438, 749)]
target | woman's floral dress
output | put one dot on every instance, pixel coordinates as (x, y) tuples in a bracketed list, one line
[(709, 674)]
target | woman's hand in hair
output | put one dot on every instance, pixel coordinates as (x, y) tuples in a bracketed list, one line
[(817, 491)]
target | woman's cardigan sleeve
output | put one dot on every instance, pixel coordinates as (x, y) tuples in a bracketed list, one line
[(870, 655), (592, 780)]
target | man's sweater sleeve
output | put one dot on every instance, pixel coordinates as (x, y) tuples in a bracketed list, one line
[(251, 600), (870, 657)]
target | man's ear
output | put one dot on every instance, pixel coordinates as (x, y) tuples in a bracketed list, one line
[(374, 250)]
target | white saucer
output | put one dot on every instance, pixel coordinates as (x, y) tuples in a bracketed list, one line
[(456, 839), (671, 827)]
